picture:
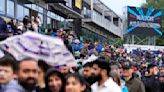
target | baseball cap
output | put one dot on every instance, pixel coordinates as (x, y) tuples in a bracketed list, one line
[(127, 65)]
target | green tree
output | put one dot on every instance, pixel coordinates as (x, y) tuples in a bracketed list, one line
[(157, 4)]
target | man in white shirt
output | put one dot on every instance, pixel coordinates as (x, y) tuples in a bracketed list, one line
[(104, 82)]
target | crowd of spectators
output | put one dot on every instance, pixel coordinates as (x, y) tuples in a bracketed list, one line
[(111, 71)]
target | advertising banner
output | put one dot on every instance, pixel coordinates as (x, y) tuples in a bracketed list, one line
[(145, 21)]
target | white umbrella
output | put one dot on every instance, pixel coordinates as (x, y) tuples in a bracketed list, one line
[(38, 46), (1, 54)]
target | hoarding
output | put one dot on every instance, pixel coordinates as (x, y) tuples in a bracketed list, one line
[(144, 21)]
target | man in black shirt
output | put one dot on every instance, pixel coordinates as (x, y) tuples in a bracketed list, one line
[(152, 83)]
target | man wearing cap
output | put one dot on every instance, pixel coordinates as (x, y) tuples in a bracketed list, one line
[(133, 84), (151, 81)]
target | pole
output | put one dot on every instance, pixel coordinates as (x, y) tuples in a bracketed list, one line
[(92, 8)]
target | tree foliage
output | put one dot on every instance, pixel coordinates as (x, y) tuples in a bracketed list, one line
[(157, 4)]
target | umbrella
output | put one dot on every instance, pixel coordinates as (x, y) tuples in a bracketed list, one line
[(38, 46), (90, 59), (1, 54)]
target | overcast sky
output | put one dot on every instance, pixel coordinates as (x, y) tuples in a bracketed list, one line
[(117, 5)]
